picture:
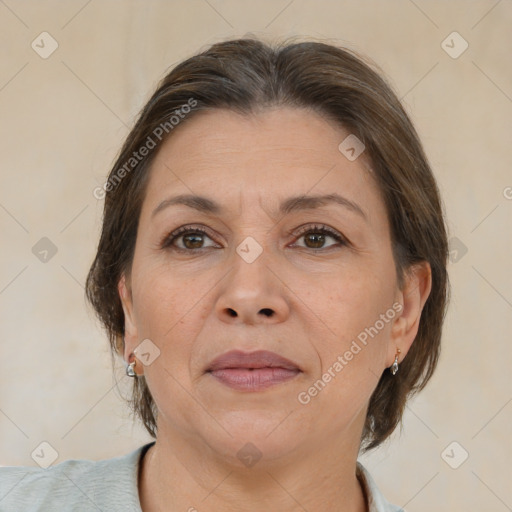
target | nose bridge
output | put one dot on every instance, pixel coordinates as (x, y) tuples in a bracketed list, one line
[(251, 292)]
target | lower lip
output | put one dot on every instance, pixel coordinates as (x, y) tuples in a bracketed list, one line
[(245, 379)]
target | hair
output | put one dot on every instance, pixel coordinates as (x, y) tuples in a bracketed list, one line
[(245, 76)]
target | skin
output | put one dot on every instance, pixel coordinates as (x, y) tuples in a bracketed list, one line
[(321, 298)]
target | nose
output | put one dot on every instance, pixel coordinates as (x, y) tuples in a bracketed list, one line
[(252, 293)]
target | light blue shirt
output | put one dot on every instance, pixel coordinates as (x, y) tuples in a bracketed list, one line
[(109, 485)]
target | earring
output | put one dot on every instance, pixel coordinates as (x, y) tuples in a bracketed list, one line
[(394, 366), (130, 369)]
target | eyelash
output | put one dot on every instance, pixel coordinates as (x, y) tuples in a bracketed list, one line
[(168, 240)]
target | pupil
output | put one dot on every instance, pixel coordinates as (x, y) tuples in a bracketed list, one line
[(196, 244), (320, 238)]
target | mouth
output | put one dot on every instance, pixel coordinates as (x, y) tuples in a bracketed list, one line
[(253, 371)]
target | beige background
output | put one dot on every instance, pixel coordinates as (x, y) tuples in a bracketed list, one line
[(63, 120)]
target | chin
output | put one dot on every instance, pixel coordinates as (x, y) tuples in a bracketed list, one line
[(248, 450), (255, 437)]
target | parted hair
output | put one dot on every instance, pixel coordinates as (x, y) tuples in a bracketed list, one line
[(247, 75)]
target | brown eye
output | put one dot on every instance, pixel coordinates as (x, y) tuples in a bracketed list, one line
[(186, 239), (317, 240), (315, 237), (192, 240)]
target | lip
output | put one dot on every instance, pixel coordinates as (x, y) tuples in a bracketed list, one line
[(257, 359), (252, 371)]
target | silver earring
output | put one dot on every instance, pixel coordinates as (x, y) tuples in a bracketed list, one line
[(130, 370), (394, 366)]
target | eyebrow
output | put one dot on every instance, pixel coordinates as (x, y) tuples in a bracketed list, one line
[(292, 204)]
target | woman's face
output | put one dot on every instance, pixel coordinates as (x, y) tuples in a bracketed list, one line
[(261, 274)]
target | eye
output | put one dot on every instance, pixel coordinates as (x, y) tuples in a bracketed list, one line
[(315, 236), (191, 238)]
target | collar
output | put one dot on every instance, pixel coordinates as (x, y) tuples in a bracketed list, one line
[(375, 499)]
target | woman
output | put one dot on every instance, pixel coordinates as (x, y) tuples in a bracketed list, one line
[(272, 268)]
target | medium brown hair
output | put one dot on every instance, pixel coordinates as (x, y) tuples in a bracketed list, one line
[(245, 76)]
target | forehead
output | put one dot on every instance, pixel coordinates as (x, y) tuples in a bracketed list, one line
[(274, 153)]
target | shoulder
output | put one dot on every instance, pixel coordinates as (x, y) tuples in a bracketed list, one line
[(376, 501), (109, 484)]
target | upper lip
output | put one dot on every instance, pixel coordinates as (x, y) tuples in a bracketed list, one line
[(257, 359)]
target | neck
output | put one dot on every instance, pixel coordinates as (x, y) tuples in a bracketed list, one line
[(176, 475)]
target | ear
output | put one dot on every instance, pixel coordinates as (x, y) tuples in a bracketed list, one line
[(130, 327), (416, 289)]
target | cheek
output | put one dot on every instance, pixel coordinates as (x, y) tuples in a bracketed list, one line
[(161, 299), (353, 302), (169, 310), (359, 316), (350, 370)]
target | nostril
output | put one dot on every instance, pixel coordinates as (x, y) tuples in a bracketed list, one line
[(231, 312), (267, 312)]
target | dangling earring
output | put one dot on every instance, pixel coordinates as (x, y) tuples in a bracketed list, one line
[(394, 366), (130, 369)]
